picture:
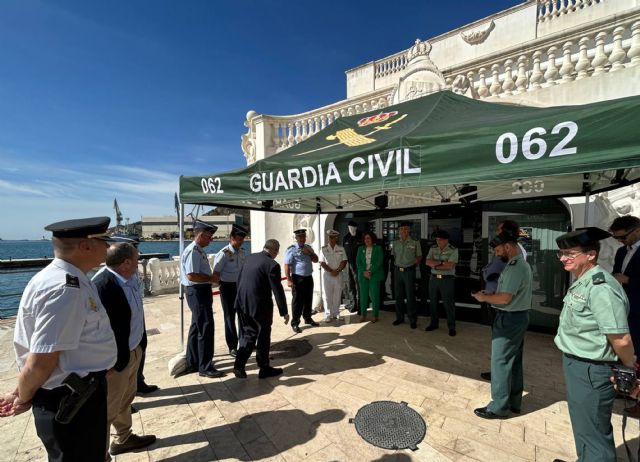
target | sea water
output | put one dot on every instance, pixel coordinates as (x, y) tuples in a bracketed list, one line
[(13, 282)]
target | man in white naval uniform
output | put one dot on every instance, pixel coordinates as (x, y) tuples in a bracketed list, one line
[(63, 333), (333, 260)]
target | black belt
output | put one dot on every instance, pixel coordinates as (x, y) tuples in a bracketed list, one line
[(200, 286), (442, 276), (300, 276), (592, 361), (45, 395), (407, 268)]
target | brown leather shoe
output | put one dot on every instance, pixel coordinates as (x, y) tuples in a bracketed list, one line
[(633, 411), (132, 443)]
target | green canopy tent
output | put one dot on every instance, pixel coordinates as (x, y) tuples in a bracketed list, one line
[(437, 149)]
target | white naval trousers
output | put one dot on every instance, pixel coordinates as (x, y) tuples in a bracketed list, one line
[(331, 294)]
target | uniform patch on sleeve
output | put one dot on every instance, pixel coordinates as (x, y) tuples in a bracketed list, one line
[(72, 281), (597, 278)]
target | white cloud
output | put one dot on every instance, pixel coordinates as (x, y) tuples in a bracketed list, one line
[(16, 187)]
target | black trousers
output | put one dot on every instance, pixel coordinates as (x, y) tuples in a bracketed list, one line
[(353, 284), (254, 334), (228, 291), (84, 439), (200, 339), (302, 289), (141, 382)]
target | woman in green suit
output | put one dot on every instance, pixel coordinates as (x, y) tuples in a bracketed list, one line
[(370, 274)]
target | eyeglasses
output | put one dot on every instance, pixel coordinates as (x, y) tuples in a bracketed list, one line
[(622, 237), (568, 255)]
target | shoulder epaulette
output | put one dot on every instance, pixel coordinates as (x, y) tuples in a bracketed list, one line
[(598, 278), (452, 246), (291, 246), (227, 252), (72, 281), (513, 262)]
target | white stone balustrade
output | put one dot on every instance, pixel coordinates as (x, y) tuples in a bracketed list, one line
[(550, 9), (164, 275), (287, 131), (571, 58), (391, 64)]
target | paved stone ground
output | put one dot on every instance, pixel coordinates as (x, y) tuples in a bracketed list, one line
[(304, 414)]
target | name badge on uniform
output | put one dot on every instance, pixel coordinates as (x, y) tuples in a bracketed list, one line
[(92, 304)]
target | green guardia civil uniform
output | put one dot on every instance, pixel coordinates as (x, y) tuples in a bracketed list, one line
[(507, 337), (442, 284), (405, 253), (594, 307)]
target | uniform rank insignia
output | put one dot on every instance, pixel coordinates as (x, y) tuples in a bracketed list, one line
[(597, 278), (72, 281), (92, 304), (513, 262)]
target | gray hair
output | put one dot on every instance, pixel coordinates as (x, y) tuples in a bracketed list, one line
[(119, 252), (272, 245)]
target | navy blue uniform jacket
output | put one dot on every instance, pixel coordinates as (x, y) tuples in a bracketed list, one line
[(260, 275)]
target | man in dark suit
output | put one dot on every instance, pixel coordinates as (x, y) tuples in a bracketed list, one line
[(626, 269), (119, 293), (259, 276)]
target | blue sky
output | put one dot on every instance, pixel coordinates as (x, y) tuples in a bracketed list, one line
[(102, 100)]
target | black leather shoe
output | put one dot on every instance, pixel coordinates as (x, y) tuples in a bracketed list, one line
[(485, 376), (144, 388), (353, 310), (211, 373), (559, 460), (233, 352), (132, 443), (311, 322), (269, 371), (487, 414), (430, 328), (134, 410), (296, 329), (414, 325), (452, 332), (514, 410), (397, 323), (240, 373)]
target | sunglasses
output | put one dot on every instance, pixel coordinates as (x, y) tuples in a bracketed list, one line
[(622, 237), (568, 255)]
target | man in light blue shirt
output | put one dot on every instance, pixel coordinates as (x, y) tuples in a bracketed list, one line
[(298, 260), (119, 293)]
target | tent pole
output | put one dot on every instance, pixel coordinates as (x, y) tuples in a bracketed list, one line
[(319, 253), (586, 209), (181, 288)]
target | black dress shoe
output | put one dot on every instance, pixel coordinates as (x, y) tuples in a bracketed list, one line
[(211, 373), (296, 329), (233, 352), (240, 373), (397, 323), (514, 410), (430, 328), (353, 310), (559, 460), (134, 410), (452, 332), (414, 325), (311, 322), (485, 376), (269, 371), (143, 388), (487, 414)]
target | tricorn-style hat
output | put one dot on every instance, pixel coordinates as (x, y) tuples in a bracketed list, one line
[(239, 230), (87, 228), (503, 237), (201, 226), (441, 234), (581, 237)]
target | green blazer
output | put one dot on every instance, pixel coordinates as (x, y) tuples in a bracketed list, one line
[(377, 274)]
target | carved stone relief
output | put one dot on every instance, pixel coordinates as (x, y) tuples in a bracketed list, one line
[(477, 36), (421, 76)]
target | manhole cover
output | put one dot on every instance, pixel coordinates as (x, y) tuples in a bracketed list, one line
[(390, 425), (290, 349)]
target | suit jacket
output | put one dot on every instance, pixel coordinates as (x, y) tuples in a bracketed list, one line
[(633, 272), (259, 277), (377, 273), (115, 302)]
